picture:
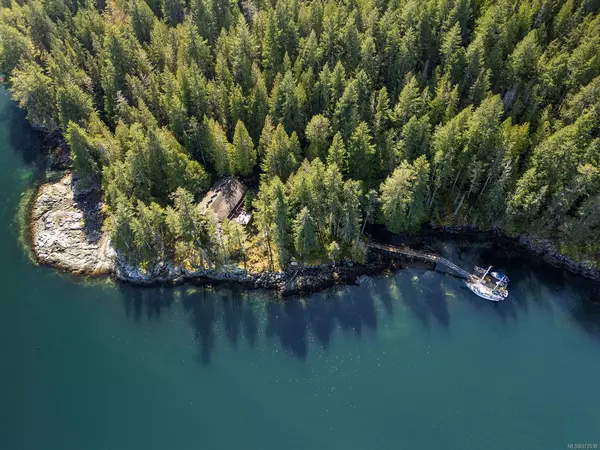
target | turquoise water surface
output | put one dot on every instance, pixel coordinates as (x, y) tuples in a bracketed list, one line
[(412, 360)]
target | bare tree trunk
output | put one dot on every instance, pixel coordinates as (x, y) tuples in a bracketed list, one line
[(456, 198), (269, 252), (459, 205), (456, 179), (486, 183), (362, 230)]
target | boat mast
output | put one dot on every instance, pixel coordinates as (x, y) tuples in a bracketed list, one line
[(485, 273)]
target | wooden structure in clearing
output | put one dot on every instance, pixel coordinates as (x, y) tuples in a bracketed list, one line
[(223, 199)]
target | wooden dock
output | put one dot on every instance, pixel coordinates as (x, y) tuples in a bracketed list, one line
[(439, 263), (405, 252)]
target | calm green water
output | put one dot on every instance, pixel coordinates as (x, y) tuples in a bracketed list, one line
[(412, 360)]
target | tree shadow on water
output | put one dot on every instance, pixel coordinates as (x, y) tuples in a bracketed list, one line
[(229, 306), (295, 320), (287, 320), (249, 322), (424, 298), (203, 315), (141, 302), (238, 315), (295, 323), (22, 137)]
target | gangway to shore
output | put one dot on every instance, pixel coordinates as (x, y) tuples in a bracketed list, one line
[(457, 270), (418, 255), (405, 252)]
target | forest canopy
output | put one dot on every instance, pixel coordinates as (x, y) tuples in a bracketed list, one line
[(337, 113)]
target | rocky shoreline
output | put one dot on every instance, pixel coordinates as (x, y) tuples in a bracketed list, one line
[(67, 233), (541, 248), (302, 280)]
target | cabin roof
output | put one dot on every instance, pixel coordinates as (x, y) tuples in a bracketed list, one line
[(223, 198)]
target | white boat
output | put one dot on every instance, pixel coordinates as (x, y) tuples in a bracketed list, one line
[(485, 287), (485, 291)]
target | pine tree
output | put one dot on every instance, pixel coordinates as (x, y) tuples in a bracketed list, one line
[(173, 11), (337, 153), (266, 136), (142, 21), (286, 106), (35, 93), (14, 47), (258, 107), (305, 237), (415, 137), (243, 155), (453, 54), (318, 133), (346, 115), (216, 147), (272, 221), (410, 102), (361, 152), (196, 231), (74, 105), (280, 157), (397, 197), (84, 155)]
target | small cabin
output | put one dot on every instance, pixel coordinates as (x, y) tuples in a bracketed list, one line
[(224, 200)]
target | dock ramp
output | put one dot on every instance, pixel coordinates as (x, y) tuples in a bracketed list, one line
[(444, 265)]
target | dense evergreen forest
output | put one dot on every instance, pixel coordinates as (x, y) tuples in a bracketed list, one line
[(337, 113)]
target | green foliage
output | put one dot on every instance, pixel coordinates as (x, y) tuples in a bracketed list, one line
[(361, 153), (305, 237), (14, 47), (337, 153), (272, 221), (216, 146), (195, 231), (234, 239), (74, 105), (403, 196), (287, 104), (346, 115), (84, 154), (243, 155), (483, 113), (318, 133), (35, 93), (281, 155)]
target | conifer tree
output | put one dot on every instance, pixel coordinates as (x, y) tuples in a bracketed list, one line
[(337, 153), (243, 155), (280, 157), (305, 237), (361, 152), (35, 93), (84, 154), (216, 145), (493, 110), (318, 133)]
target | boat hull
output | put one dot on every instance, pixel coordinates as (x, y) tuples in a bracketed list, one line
[(485, 292)]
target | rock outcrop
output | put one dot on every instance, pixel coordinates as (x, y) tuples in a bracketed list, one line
[(66, 229), (550, 254)]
